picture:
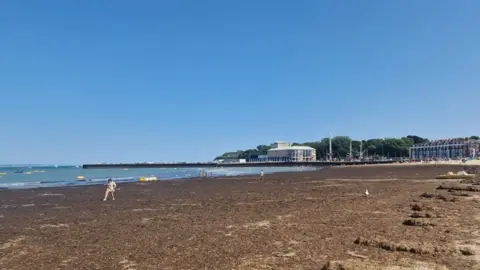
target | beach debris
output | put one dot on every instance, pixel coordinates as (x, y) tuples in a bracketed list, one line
[(353, 254), (437, 196), (411, 222), (366, 192), (365, 264), (285, 255), (466, 251), (441, 197), (469, 181), (428, 195), (458, 188), (460, 194), (403, 246), (417, 207), (337, 265), (420, 215)]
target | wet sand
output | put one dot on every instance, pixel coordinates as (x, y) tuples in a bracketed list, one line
[(301, 220)]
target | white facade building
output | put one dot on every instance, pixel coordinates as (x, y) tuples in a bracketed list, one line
[(282, 151)]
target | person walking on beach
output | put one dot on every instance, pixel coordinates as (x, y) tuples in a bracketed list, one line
[(261, 175), (111, 186)]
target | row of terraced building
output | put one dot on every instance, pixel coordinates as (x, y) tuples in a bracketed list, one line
[(446, 149)]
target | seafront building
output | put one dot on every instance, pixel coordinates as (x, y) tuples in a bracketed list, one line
[(279, 151), (446, 149), (282, 151)]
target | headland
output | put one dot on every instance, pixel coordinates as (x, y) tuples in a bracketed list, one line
[(298, 220)]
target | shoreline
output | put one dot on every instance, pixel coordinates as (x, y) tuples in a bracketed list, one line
[(181, 179), (134, 179)]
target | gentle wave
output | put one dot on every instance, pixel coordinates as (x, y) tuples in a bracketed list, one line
[(19, 184)]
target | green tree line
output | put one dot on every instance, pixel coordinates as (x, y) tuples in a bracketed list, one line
[(386, 147)]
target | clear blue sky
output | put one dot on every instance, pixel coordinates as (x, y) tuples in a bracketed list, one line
[(92, 80)]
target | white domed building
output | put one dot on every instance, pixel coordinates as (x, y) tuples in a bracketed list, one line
[(282, 151)]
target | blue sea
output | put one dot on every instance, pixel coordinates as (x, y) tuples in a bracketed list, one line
[(33, 176)]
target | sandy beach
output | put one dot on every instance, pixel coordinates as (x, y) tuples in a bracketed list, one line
[(300, 220)]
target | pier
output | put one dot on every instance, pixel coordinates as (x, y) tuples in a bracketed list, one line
[(236, 164)]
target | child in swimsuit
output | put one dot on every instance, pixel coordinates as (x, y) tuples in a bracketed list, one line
[(111, 186)]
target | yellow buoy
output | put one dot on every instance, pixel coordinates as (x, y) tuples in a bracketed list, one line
[(147, 179)]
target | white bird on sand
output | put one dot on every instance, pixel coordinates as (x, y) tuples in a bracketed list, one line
[(366, 192)]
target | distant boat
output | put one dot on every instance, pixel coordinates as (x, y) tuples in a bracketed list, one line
[(20, 171)]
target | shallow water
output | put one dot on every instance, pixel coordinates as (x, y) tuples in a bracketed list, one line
[(37, 176)]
